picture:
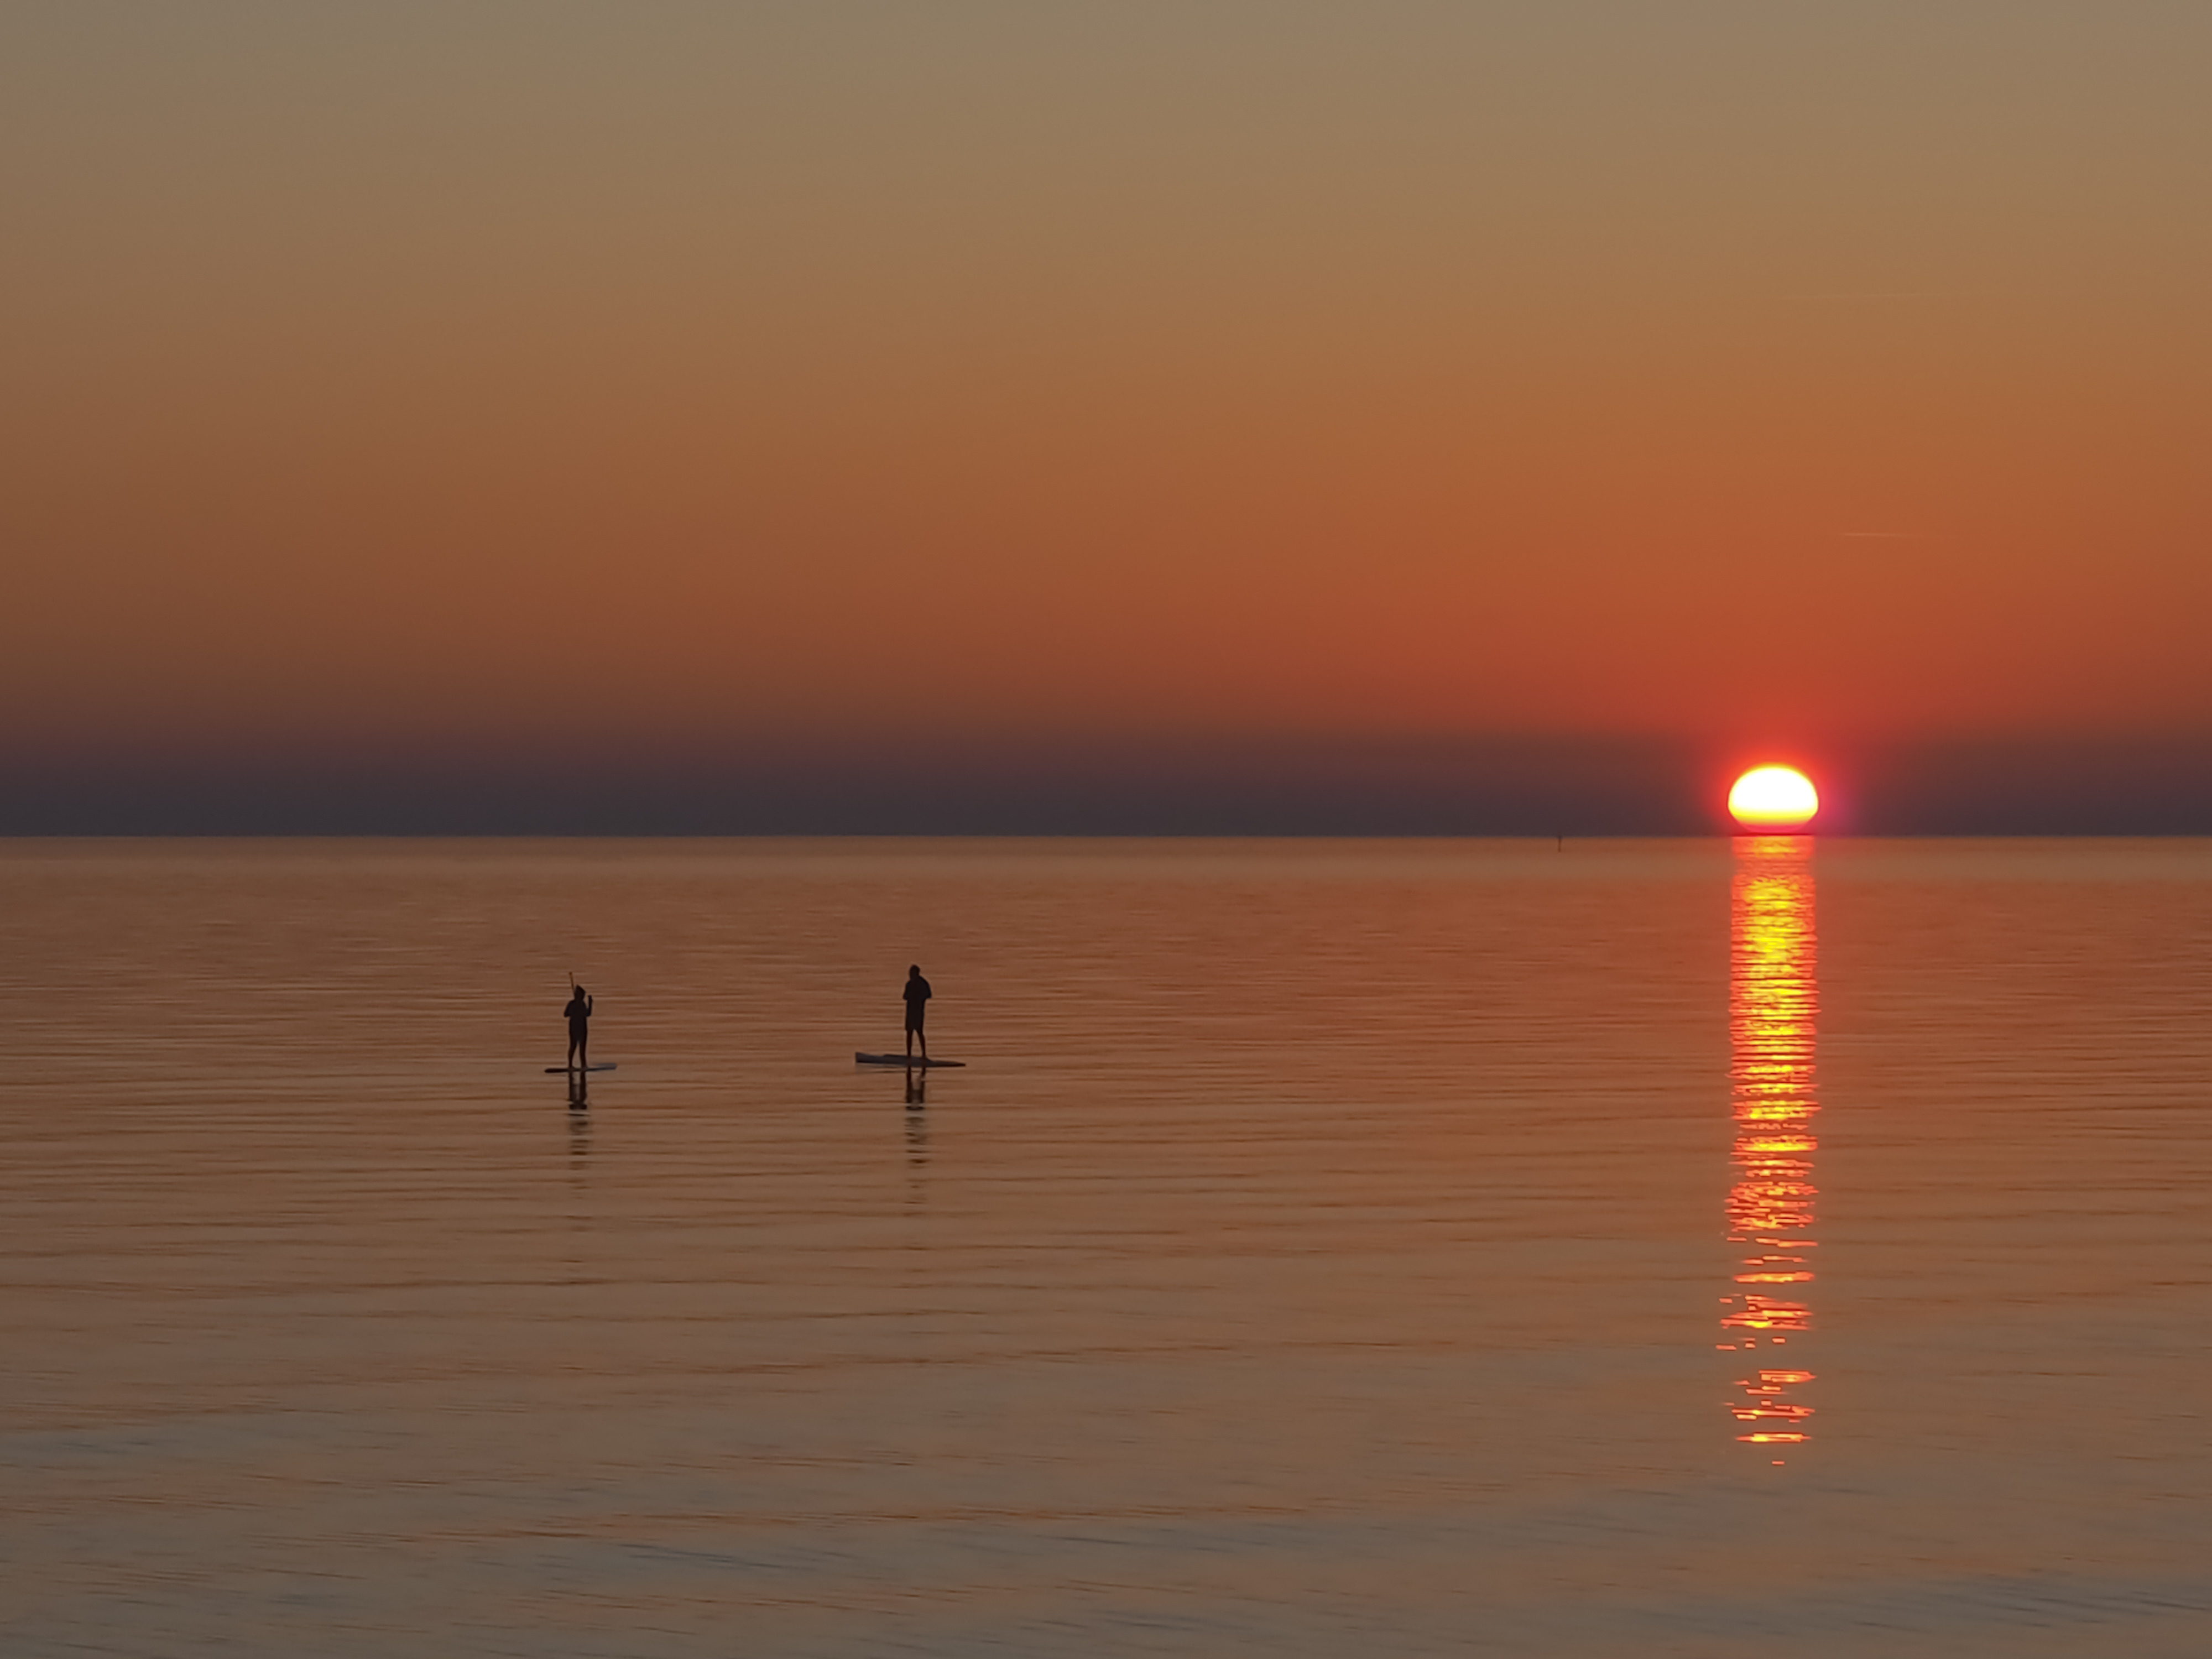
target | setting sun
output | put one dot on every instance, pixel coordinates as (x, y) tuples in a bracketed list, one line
[(1773, 798)]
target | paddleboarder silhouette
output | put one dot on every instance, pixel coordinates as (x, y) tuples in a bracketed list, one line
[(916, 994), (579, 1011)]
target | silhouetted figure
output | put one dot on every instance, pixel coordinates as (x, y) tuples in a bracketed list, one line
[(917, 1005), (579, 1011)]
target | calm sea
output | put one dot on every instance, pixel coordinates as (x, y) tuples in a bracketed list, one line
[(1330, 1248)]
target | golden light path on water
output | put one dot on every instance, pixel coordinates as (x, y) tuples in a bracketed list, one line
[(1773, 1009)]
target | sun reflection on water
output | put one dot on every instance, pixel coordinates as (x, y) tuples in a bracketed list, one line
[(1773, 1007)]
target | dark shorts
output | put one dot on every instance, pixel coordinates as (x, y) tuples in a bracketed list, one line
[(914, 1012)]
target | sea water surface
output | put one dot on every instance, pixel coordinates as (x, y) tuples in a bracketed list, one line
[(1702, 1247)]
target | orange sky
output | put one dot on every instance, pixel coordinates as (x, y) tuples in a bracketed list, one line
[(470, 376)]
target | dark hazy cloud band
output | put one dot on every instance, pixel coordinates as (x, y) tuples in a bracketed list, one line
[(1411, 787)]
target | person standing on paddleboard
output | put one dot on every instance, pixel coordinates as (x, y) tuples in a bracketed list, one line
[(579, 1011), (917, 1004)]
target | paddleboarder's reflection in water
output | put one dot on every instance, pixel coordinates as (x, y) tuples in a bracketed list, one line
[(579, 1012), (917, 1087), (579, 1095), (916, 994), (917, 1159)]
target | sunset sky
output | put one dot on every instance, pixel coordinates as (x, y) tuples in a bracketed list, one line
[(1525, 410)]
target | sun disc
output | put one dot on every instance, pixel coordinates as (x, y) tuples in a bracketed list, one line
[(1773, 798)]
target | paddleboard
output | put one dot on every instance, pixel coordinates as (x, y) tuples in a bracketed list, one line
[(555, 1071), (860, 1058)]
